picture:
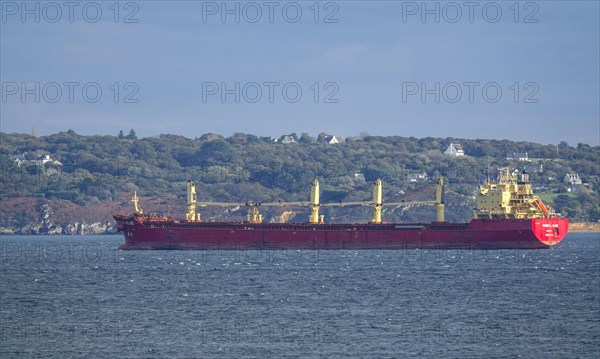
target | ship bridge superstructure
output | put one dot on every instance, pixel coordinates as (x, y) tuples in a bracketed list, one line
[(510, 196)]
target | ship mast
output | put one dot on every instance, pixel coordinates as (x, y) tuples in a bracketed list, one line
[(439, 199), (314, 203), (191, 214), (136, 201), (377, 199)]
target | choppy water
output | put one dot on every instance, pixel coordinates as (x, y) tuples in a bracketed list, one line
[(67, 296)]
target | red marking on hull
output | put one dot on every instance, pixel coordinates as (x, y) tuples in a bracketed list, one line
[(162, 233)]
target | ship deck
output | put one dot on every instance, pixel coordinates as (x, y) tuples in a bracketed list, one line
[(173, 224)]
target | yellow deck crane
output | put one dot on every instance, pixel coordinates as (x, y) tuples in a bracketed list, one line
[(254, 216)]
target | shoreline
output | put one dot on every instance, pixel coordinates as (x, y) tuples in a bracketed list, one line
[(584, 227), (577, 227)]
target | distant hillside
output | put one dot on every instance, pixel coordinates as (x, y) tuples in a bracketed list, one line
[(69, 183)]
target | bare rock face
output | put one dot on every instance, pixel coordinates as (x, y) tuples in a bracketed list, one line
[(89, 228), (283, 218), (55, 230), (45, 224), (71, 228), (6, 231), (94, 228), (30, 229)]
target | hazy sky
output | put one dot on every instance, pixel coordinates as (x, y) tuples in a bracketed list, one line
[(462, 69)]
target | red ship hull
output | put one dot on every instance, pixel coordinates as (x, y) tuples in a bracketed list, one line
[(162, 233)]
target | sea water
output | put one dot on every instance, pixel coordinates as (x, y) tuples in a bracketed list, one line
[(79, 296)]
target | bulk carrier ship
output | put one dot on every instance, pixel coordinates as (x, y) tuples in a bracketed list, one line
[(508, 216)]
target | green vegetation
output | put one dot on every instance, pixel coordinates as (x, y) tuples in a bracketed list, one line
[(548, 197), (99, 169)]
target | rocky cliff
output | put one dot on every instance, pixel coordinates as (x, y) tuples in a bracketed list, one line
[(43, 220)]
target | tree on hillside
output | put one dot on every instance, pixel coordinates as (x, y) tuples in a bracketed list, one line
[(306, 138), (107, 168), (132, 135), (322, 135)]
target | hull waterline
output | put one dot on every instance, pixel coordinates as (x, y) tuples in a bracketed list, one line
[(151, 234)]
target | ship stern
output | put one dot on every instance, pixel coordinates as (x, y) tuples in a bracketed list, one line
[(550, 231)]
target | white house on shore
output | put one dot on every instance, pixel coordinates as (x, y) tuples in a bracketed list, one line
[(19, 159), (454, 149), (288, 139), (574, 181), (572, 178), (332, 140), (521, 157), (358, 176), (43, 159), (39, 161), (416, 177)]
